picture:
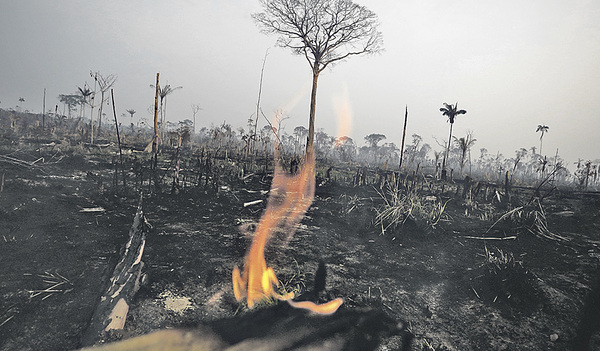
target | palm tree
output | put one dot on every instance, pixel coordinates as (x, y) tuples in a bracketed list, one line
[(163, 93), (451, 111), (464, 144), (542, 129), (131, 112), (85, 92)]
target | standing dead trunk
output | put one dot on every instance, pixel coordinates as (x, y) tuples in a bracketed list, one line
[(92, 110), (44, 111), (175, 186), (100, 112), (155, 138), (252, 147), (112, 95), (403, 138)]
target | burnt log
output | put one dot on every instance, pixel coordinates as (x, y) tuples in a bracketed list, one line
[(112, 308), (285, 328), (277, 328)]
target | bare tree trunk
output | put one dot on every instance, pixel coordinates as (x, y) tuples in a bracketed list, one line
[(112, 95), (313, 105), (44, 111), (92, 109), (163, 117), (262, 71), (155, 139), (403, 138)]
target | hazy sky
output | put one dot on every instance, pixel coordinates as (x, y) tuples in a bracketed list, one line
[(512, 64)]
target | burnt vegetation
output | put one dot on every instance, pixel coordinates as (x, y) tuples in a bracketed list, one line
[(510, 236), (430, 247)]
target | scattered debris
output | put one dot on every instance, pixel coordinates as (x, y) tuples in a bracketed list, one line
[(175, 303), (255, 202), (92, 209)]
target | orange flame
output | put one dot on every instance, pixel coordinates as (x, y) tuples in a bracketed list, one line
[(290, 197)]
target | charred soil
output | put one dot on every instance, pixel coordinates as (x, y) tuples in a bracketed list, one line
[(456, 285)]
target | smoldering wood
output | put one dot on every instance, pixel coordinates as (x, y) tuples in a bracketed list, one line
[(111, 311), (280, 327), (285, 328)]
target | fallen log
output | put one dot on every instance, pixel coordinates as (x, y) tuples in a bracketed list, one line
[(277, 328), (111, 311)]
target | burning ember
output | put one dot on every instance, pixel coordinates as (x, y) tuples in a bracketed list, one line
[(290, 197)]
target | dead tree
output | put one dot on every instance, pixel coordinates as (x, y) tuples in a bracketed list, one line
[(104, 83), (324, 32)]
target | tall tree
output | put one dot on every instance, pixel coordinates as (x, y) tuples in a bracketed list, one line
[(324, 32), (542, 129), (451, 111)]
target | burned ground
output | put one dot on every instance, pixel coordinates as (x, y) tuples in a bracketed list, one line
[(63, 227)]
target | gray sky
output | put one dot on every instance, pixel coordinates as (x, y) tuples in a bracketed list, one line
[(511, 64)]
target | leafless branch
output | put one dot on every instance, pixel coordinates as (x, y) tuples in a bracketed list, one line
[(324, 31)]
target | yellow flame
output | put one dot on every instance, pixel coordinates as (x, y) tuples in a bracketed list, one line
[(290, 197), (323, 309)]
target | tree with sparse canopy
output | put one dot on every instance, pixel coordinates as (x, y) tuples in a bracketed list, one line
[(105, 83), (451, 111), (374, 139), (324, 32)]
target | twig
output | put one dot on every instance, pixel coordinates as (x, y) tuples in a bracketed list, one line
[(246, 204), (489, 238), (507, 214), (6, 320)]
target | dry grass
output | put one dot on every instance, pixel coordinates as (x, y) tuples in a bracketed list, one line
[(400, 205)]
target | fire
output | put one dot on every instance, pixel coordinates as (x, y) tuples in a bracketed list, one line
[(290, 197)]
